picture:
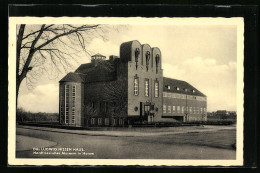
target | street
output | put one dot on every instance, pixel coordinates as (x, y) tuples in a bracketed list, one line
[(208, 144)]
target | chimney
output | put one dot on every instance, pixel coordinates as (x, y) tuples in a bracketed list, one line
[(112, 57)]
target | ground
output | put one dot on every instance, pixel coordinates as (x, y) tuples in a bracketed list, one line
[(196, 142)]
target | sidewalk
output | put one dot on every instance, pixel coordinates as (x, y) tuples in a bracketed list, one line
[(136, 132), (24, 143)]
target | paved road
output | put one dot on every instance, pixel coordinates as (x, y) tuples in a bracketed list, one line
[(196, 145)]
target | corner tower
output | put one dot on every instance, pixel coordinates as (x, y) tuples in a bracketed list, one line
[(71, 100)]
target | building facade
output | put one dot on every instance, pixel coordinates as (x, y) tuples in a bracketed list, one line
[(126, 90)]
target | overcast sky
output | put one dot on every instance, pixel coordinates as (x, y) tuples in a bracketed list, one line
[(204, 56)]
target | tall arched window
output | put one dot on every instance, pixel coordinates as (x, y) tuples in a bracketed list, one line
[(147, 60), (137, 53), (157, 61)]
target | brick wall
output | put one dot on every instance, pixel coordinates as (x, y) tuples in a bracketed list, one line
[(142, 74), (194, 115), (79, 119)]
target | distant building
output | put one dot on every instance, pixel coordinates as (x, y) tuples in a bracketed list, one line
[(232, 113), (221, 113), (127, 89)]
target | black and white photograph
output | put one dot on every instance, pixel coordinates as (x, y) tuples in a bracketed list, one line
[(125, 91)]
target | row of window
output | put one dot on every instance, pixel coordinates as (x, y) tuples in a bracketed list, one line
[(67, 98), (105, 121), (73, 104), (184, 96), (66, 104), (178, 88), (104, 106), (146, 88), (183, 109)]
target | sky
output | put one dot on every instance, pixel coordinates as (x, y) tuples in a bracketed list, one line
[(204, 56)]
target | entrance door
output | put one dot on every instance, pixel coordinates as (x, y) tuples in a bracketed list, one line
[(150, 119), (148, 111)]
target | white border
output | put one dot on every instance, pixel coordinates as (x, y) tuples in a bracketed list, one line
[(13, 21)]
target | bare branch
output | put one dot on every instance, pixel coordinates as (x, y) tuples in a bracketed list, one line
[(36, 32)]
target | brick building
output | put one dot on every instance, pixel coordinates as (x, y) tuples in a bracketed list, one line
[(127, 89)]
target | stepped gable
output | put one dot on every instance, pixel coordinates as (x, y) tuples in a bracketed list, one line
[(174, 83)]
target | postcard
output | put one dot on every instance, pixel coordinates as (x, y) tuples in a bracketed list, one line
[(125, 91)]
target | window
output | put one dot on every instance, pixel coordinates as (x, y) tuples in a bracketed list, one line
[(147, 60), (92, 121), (164, 108), (157, 59), (156, 89), (201, 110), (169, 109), (106, 121), (198, 110), (146, 87), (73, 104), (164, 94), (178, 109), (66, 104), (177, 88), (137, 52), (114, 107), (73, 115), (173, 109), (168, 87), (136, 85), (205, 110), (190, 109), (194, 110), (100, 121), (73, 95), (114, 122), (61, 110), (61, 104), (121, 122), (183, 109)]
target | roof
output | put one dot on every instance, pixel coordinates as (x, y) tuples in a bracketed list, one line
[(98, 54), (84, 67), (184, 87), (102, 71), (73, 77)]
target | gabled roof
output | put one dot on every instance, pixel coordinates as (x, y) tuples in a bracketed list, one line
[(184, 87), (84, 67), (102, 71), (73, 77)]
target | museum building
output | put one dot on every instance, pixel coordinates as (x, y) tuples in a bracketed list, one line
[(125, 90)]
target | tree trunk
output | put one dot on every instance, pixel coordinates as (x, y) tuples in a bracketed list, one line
[(18, 50), (17, 90)]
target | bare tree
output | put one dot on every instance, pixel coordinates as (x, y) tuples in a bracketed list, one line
[(116, 92), (49, 49)]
